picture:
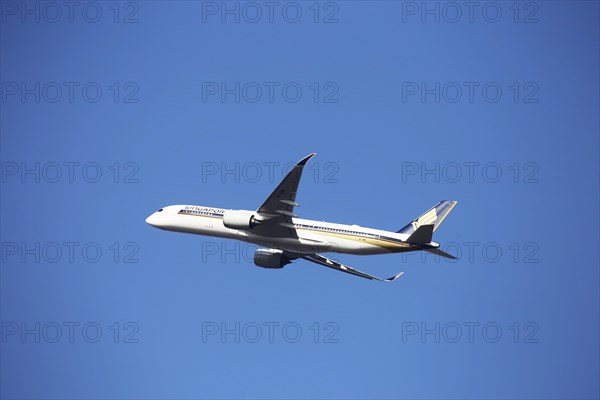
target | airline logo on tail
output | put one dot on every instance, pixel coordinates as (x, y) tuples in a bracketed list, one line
[(425, 219)]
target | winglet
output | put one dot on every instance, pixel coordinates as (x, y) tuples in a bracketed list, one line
[(305, 159), (393, 278)]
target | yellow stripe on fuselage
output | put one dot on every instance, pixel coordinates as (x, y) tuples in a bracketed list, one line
[(374, 241)]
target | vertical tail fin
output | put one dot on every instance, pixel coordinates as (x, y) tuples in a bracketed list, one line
[(434, 216)]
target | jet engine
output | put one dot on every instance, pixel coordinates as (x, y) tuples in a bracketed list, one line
[(239, 219), (270, 258)]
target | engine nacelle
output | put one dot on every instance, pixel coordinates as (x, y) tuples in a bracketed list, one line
[(239, 219), (270, 258)]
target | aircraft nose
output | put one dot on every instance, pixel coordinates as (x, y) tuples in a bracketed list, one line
[(156, 219), (151, 220)]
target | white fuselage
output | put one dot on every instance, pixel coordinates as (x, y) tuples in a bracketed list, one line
[(313, 236)]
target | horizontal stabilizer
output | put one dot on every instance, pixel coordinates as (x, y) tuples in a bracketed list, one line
[(441, 253), (422, 235)]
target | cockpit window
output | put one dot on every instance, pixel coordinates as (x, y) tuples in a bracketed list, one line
[(160, 210)]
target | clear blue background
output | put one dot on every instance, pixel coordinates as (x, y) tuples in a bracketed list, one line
[(368, 134)]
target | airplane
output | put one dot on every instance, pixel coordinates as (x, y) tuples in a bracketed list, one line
[(286, 238)]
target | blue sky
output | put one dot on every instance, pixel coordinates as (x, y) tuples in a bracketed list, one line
[(109, 112)]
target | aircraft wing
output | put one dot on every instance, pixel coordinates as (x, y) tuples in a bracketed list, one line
[(322, 260), (277, 211)]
